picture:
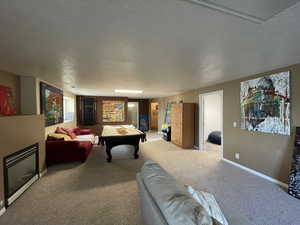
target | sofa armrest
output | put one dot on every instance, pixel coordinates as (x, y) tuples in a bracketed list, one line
[(150, 211), (85, 145)]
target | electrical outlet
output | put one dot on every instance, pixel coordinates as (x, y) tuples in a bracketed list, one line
[(1, 203), (234, 124), (237, 155)]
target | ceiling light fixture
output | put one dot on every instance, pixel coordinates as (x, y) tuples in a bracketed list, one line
[(129, 91), (223, 9)]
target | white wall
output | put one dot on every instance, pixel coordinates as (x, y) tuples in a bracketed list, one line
[(212, 114)]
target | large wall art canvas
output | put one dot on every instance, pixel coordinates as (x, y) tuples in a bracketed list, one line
[(113, 111), (265, 104), (294, 180), (7, 105), (51, 104)]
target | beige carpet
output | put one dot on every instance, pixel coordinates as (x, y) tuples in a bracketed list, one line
[(99, 193), (237, 191), (95, 192), (153, 135)]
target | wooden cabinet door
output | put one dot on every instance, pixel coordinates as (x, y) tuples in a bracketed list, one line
[(154, 116), (176, 124), (188, 129)]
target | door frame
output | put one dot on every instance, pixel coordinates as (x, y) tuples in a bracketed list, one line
[(201, 118), (138, 115)]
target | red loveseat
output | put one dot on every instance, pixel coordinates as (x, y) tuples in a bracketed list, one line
[(78, 148)]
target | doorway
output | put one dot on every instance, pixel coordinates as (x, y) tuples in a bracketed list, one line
[(211, 121), (133, 114), (154, 116)]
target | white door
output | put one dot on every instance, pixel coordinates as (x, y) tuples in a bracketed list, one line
[(211, 115)]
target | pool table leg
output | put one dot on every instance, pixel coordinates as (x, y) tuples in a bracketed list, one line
[(108, 152), (136, 155)]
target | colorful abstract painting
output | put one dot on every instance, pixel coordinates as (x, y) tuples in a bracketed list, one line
[(51, 104), (113, 111), (7, 106), (265, 104)]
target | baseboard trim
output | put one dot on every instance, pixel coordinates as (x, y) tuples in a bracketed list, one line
[(2, 211), (43, 173), (273, 180)]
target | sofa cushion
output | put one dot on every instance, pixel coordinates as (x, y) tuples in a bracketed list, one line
[(72, 135), (58, 137), (70, 132), (208, 201), (60, 130), (88, 137), (85, 132), (172, 198), (76, 131)]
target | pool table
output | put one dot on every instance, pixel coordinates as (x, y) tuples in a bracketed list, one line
[(112, 136)]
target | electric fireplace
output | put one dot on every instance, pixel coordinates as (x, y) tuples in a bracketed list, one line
[(21, 169)]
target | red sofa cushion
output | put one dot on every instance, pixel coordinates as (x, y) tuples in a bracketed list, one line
[(76, 131), (70, 132), (85, 131), (60, 130)]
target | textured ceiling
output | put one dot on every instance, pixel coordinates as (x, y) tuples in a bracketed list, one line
[(161, 46)]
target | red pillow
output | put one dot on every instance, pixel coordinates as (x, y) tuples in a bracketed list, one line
[(85, 131), (61, 131), (76, 130), (67, 130), (70, 133)]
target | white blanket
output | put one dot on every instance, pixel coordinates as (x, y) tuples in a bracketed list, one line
[(87, 137)]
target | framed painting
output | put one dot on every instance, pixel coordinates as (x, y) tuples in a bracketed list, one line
[(265, 104), (51, 104), (113, 111)]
